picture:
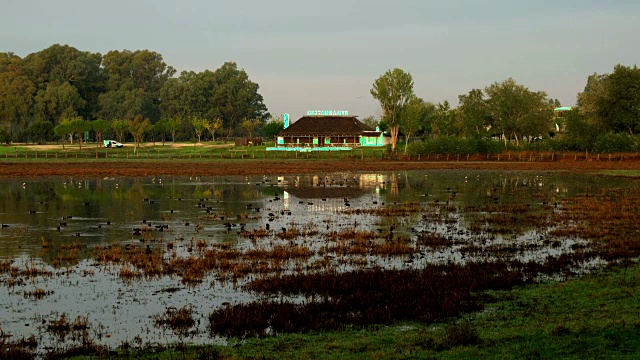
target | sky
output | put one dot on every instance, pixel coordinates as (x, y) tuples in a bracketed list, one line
[(326, 54)]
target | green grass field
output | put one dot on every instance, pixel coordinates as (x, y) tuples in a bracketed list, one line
[(594, 317), (151, 151)]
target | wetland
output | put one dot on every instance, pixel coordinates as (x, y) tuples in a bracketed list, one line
[(100, 263)]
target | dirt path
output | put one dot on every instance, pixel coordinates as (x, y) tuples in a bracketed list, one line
[(267, 167)]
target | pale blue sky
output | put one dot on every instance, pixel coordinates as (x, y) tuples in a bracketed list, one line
[(326, 54)]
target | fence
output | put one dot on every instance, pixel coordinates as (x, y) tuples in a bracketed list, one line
[(376, 154)]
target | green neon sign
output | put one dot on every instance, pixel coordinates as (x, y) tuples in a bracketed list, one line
[(327, 113)]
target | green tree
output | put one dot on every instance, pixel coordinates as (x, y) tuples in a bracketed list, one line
[(138, 127), (16, 95), (173, 126), (236, 97), (444, 121), (199, 125), (594, 99), (100, 127), (516, 111), (120, 127), (78, 126), (213, 126), (78, 73), (580, 133), (41, 130), (623, 106), (249, 126), (161, 128), (393, 90), (371, 122), (133, 80), (412, 116), (272, 128), (63, 129), (474, 113), (58, 101)]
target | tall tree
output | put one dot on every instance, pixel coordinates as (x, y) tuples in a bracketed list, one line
[(413, 116), (199, 125), (161, 128), (236, 97), (393, 90), (593, 101), (138, 127), (57, 101), (41, 130), (249, 126), (16, 95), (120, 127), (474, 113), (518, 111), (63, 129), (78, 126), (445, 122), (100, 127), (623, 109), (173, 126), (133, 83), (213, 126), (63, 64)]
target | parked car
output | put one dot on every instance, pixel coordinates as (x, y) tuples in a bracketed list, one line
[(112, 144)]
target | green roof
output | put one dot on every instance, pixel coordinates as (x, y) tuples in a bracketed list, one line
[(564, 108)]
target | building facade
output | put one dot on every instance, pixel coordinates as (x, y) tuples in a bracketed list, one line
[(330, 131)]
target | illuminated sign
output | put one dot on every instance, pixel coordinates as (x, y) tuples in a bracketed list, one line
[(286, 120), (327, 113)]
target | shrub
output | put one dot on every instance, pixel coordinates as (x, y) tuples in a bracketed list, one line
[(610, 142), (456, 146)]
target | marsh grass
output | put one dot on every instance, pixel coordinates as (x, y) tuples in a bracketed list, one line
[(591, 317)]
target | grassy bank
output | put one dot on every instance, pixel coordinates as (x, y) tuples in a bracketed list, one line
[(597, 316), (224, 150), (151, 151)]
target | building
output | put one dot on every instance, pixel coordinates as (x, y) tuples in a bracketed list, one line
[(330, 131)]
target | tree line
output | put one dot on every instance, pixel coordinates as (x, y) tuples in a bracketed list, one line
[(509, 115), (63, 85)]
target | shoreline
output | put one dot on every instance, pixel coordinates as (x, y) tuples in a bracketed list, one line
[(137, 168)]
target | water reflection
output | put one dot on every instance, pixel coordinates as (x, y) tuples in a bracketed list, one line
[(58, 223)]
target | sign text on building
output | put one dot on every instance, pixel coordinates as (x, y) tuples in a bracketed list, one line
[(327, 113)]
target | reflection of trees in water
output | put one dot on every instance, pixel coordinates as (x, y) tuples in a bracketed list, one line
[(395, 190)]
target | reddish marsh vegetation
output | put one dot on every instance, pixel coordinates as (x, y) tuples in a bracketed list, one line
[(416, 249)]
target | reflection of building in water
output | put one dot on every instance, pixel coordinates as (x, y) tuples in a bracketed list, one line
[(285, 199), (328, 192), (371, 180)]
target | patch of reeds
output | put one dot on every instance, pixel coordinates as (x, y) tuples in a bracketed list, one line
[(21, 349), (62, 327), (37, 294), (180, 321), (363, 297)]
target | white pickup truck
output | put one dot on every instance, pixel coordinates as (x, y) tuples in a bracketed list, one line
[(112, 144)]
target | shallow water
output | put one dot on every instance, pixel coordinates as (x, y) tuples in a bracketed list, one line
[(44, 215)]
